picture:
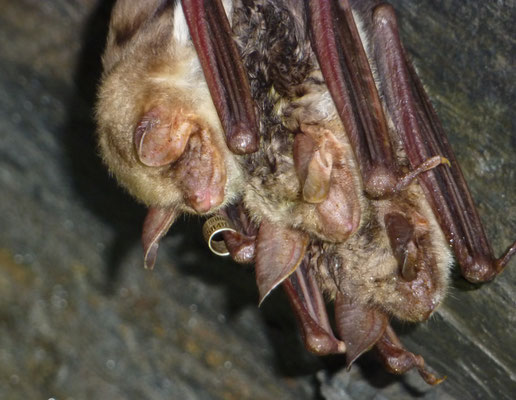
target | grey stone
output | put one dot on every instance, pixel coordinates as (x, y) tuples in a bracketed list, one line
[(81, 319)]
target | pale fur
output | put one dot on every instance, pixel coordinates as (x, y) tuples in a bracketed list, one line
[(363, 266), (369, 273), (157, 66)]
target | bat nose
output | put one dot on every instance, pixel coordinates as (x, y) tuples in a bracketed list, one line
[(204, 200)]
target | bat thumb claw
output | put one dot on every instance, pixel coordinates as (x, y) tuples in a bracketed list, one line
[(445, 161)]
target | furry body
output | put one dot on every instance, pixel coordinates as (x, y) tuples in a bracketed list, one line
[(289, 90), (301, 196)]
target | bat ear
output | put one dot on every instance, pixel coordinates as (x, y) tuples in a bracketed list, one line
[(157, 223), (169, 135), (279, 251), (162, 135), (327, 181), (314, 166), (402, 239), (359, 327)]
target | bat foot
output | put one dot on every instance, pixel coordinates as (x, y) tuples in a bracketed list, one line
[(398, 360)]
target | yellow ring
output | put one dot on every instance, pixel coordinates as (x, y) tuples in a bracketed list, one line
[(212, 227)]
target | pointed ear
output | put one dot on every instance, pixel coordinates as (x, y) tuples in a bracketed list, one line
[(157, 223), (162, 134), (359, 327), (314, 166), (279, 251)]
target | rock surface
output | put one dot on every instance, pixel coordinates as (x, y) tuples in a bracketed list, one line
[(81, 319)]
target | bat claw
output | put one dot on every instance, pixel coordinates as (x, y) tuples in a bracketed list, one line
[(446, 162)]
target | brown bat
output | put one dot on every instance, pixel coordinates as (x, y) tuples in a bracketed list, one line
[(315, 151)]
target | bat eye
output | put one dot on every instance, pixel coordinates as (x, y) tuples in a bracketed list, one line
[(402, 240)]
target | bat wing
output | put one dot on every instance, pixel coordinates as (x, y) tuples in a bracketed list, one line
[(423, 136), (224, 73), (345, 66)]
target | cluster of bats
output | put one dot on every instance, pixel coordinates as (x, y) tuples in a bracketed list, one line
[(303, 131)]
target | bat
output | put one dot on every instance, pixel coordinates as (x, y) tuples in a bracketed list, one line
[(302, 131)]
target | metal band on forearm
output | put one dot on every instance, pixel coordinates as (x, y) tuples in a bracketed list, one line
[(211, 228)]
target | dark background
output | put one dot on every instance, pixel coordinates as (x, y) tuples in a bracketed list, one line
[(81, 319)]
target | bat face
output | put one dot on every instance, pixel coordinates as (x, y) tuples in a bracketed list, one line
[(239, 110), (160, 133)]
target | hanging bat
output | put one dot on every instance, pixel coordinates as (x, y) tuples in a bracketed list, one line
[(314, 151)]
